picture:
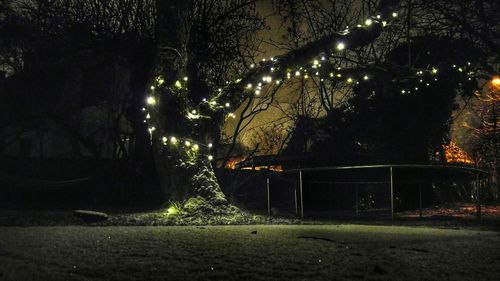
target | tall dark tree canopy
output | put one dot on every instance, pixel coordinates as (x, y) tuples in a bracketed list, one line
[(401, 115), (190, 66)]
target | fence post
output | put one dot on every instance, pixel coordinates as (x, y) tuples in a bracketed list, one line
[(392, 194), (478, 194), (295, 193), (357, 208), (268, 198), (420, 198), (301, 195)]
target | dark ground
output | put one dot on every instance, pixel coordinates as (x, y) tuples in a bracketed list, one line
[(449, 243), (270, 252)]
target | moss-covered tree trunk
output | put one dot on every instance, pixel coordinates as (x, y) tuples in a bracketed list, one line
[(181, 128)]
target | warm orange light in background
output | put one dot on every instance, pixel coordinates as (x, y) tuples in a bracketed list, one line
[(455, 154), (495, 81), (274, 168), (231, 163)]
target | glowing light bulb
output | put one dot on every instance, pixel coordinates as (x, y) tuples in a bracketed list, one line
[(297, 73), (173, 140), (349, 80), (366, 77), (249, 86), (185, 78), (151, 101), (340, 46), (152, 88), (210, 157), (227, 104), (495, 81), (187, 143), (394, 15), (368, 22), (267, 79), (196, 147), (210, 145)]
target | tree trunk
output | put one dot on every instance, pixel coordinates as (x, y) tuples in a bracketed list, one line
[(179, 141)]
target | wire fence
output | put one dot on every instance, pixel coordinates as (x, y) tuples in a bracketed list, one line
[(378, 190)]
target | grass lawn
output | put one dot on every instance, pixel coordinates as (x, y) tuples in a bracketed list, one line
[(282, 252)]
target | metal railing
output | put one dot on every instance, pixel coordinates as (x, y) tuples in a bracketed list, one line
[(476, 174)]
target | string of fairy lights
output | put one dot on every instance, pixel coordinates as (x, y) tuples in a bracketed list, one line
[(274, 73)]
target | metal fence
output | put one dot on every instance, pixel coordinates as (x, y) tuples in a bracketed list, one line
[(350, 185)]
